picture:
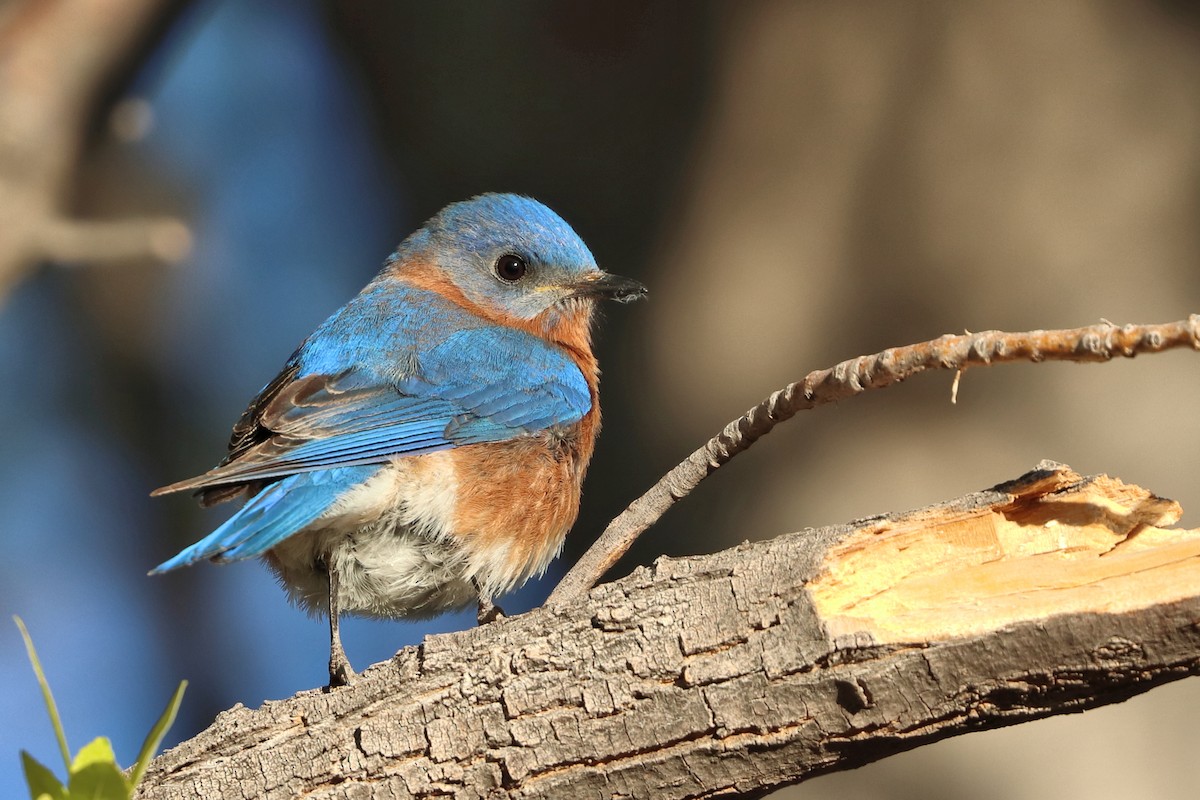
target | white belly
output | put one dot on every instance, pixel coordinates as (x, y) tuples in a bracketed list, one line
[(389, 542), (382, 572), (394, 546)]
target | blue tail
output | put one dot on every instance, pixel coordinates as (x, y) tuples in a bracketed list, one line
[(272, 515)]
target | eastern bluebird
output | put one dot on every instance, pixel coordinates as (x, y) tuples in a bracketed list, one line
[(424, 448)]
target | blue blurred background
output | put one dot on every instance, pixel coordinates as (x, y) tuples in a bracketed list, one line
[(797, 183)]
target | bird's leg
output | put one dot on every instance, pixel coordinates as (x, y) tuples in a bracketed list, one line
[(340, 671), (488, 611)]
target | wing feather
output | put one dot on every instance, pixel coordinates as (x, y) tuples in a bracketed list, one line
[(480, 384)]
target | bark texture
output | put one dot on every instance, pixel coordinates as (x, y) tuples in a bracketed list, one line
[(745, 670)]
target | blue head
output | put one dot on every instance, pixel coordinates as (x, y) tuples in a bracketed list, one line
[(511, 254)]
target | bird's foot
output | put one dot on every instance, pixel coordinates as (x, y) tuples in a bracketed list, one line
[(488, 611), (340, 671)]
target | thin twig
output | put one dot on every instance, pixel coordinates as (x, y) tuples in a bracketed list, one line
[(1094, 343)]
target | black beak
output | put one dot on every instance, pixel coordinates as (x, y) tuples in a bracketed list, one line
[(610, 287)]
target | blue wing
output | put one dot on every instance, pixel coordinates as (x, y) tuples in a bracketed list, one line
[(272, 515), (396, 372)]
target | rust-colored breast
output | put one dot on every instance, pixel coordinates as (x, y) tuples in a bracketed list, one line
[(517, 499)]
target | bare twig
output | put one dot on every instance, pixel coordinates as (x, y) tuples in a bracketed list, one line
[(1094, 343)]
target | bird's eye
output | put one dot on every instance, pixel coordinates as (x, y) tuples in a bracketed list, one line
[(510, 267)]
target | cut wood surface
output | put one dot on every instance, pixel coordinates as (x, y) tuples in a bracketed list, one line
[(755, 667)]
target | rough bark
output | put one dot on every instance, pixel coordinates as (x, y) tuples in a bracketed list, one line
[(745, 670)]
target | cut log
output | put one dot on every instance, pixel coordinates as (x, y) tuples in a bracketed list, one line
[(756, 667)]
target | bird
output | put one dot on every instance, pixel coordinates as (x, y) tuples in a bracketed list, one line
[(424, 448)]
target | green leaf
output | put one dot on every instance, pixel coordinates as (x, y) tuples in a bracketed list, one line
[(51, 707), (97, 751), (155, 737), (42, 782), (95, 774)]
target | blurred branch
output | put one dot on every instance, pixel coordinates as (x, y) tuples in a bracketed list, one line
[(164, 238), (735, 673), (57, 60), (1094, 343)]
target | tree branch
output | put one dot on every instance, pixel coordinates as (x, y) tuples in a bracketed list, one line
[(1094, 343), (56, 60), (742, 671)]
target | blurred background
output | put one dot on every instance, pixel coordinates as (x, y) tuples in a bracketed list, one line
[(797, 183)]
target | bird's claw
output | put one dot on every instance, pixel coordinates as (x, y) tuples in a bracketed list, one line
[(341, 674), (488, 612), (340, 671)]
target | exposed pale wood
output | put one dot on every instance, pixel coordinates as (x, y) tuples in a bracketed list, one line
[(1060, 546), (755, 667)]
